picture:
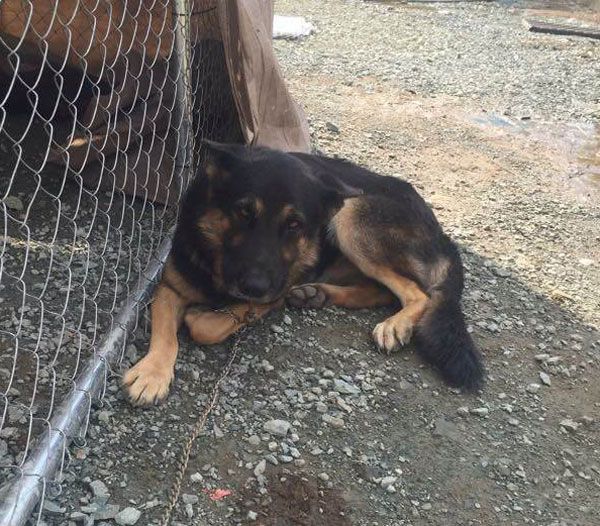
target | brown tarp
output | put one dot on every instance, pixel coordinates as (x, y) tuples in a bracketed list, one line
[(268, 114), (231, 42)]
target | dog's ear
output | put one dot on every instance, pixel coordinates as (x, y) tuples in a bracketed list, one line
[(221, 157)]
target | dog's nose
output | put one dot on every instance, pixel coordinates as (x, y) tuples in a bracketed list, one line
[(255, 284)]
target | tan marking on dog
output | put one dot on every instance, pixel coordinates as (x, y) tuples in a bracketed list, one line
[(214, 171), (345, 230), (288, 253), (366, 295), (294, 249), (259, 207), (355, 245), (173, 279), (359, 296), (430, 275), (148, 380), (213, 224), (250, 207), (306, 257), (210, 327), (397, 329), (439, 271), (286, 211)]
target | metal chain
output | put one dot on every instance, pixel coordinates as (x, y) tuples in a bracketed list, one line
[(184, 457)]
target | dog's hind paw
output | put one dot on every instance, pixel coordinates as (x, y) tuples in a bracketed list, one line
[(146, 383), (393, 333), (310, 296)]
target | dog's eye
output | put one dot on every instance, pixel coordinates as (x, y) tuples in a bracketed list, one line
[(294, 224), (245, 210)]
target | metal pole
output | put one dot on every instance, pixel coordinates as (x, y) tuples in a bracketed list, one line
[(27, 488), (183, 119)]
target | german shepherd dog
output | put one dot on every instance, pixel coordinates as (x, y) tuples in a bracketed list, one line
[(259, 226)]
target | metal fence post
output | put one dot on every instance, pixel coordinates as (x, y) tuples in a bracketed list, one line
[(185, 144)]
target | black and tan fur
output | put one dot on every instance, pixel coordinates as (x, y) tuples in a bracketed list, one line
[(259, 226)]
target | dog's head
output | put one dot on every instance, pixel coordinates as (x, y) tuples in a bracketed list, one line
[(256, 215)]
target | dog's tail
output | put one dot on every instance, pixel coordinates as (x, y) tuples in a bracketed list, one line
[(441, 336)]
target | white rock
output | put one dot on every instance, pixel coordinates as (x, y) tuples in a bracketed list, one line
[(387, 481), (260, 468), (128, 516), (569, 425), (321, 407), (99, 489), (554, 360), (189, 499), (291, 27), (545, 378), (463, 411), (344, 387), (271, 459), (333, 421), (277, 427), (13, 202)]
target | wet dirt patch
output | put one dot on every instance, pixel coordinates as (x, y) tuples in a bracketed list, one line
[(296, 500), (573, 147)]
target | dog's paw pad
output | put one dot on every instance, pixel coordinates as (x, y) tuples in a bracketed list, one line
[(147, 384), (393, 333), (308, 296)]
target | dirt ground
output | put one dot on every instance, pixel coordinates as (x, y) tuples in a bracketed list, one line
[(380, 441)]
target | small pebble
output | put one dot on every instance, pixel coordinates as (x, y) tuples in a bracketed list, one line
[(260, 468)]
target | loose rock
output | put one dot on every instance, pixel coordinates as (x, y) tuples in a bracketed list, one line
[(277, 427), (128, 516)]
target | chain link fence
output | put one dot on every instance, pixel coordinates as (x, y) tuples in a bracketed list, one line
[(103, 105)]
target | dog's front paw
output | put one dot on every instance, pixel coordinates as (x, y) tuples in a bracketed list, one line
[(393, 333), (147, 382), (310, 296)]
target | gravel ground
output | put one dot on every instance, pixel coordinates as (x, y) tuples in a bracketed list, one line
[(495, 126)]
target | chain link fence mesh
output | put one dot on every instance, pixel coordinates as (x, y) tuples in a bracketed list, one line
[(103, 105)]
